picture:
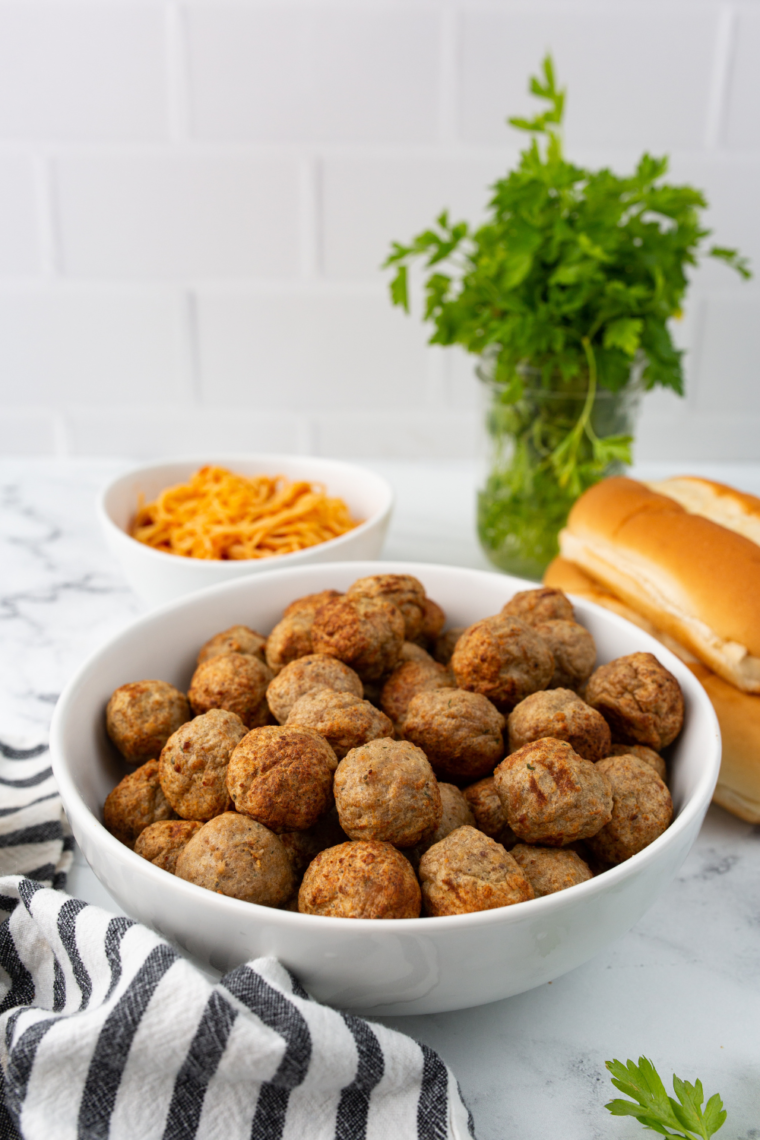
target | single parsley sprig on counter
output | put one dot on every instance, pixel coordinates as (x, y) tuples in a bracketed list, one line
[(683, 1119)]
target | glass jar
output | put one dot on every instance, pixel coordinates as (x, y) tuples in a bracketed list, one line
[(521, 506)]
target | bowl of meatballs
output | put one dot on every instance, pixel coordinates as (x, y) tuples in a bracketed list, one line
[(420, 787)]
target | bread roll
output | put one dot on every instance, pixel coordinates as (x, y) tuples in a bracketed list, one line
[(693, 579), (715, 501), (738, 713)]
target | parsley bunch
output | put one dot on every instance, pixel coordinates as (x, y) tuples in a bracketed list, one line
[(571, 280)]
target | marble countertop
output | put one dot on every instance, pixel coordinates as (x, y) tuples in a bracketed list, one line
[(682, 987)]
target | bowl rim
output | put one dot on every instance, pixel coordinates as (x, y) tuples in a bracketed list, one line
[(556, 902), (232, 567)]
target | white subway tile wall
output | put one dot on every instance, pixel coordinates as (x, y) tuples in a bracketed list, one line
[(196, 197)]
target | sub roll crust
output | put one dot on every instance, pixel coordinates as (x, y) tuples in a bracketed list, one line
[(693, 579)]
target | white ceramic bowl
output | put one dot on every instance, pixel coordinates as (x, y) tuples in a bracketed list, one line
[(157, 577), (384, 966)]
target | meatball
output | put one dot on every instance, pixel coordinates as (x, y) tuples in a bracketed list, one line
[(445, 644), (135, 803), (561, 714), (290, 639), (236, 639), (386, 790), (311, 602), (648, 755), (403, 590), (573, 650), (551, 795), (233, 681), (456, 813), (540, 605), (238, 857), (193, 764), (433, 621), (641, 809), (467, 872), (502, 658), (640, 700), (488, 810), (459, 732), (368, 879), (315, 671), (343, 719), (550, 869), (303, 846), (282, 777), (365, 633), (162, 842), (141, 716), (411, 651), (409, 679)]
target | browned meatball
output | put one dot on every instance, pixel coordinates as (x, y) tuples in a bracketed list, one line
[(445, 644), (236, 639), (406, 681), (459, 732), (365, 633), (552, 795), (290, 639), (360, 880), (641, 809), (456, 813), (488, 810), (550, 869), (233, 681), (648, 755), (561, 714), (467, 872), (315, 671), (135, 803), (386, 790), (542, 604), (303, 846), (640, 700), (433, 621), (311, 602), (345, 720), (282, 777), (502, 658), (193, 764), (141, 716), (574, 652), (403, 590), (162, 842), (236, 856), (411, 651)]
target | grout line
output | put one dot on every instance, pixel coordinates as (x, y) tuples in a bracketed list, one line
[(725, 46), (47, 217), (310, 210), (177, 80), (449, 82)]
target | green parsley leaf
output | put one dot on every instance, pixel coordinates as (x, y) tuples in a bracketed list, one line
[(650, 1104)]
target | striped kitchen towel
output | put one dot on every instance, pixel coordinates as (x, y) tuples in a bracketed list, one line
[(107, 1033), (35, 839)]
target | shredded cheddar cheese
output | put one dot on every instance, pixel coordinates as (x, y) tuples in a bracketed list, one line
[(221, 515)]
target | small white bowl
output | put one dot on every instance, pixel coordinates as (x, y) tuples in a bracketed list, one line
[(157, 577), (421, 965)]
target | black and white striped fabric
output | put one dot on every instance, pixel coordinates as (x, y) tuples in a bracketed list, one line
[(106, 1033), (35, 839)]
